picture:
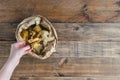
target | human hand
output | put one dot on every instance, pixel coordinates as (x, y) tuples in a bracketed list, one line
[(18, 50)]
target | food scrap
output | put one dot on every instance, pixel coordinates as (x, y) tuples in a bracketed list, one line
[(36, 37)]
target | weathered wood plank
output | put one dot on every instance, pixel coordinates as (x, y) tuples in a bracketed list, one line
[(74, 67), (69, 60), (73, 31), (100, 68), (61, 10), (88, 32), (75, 49), (67, 78)]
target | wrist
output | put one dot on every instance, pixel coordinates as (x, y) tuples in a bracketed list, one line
[(13, 60)]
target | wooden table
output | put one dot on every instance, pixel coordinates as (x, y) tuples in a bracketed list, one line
[(89, 39)]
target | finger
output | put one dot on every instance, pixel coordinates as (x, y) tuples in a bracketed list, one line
[(26, 48), (28, 51), (20, 44)]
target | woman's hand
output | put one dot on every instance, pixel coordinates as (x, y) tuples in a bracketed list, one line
[(18, 50)]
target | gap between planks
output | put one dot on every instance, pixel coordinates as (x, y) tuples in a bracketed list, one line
[(66, 78)]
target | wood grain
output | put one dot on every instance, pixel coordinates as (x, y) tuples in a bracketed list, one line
[(61, 10), (75, 49), (85, 49), (84, 67), (72, 31), (69, 60), (89, 39)]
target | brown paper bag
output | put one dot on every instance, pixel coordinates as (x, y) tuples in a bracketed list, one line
[(50, 47)]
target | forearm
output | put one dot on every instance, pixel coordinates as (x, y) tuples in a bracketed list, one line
[(8, 68)]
